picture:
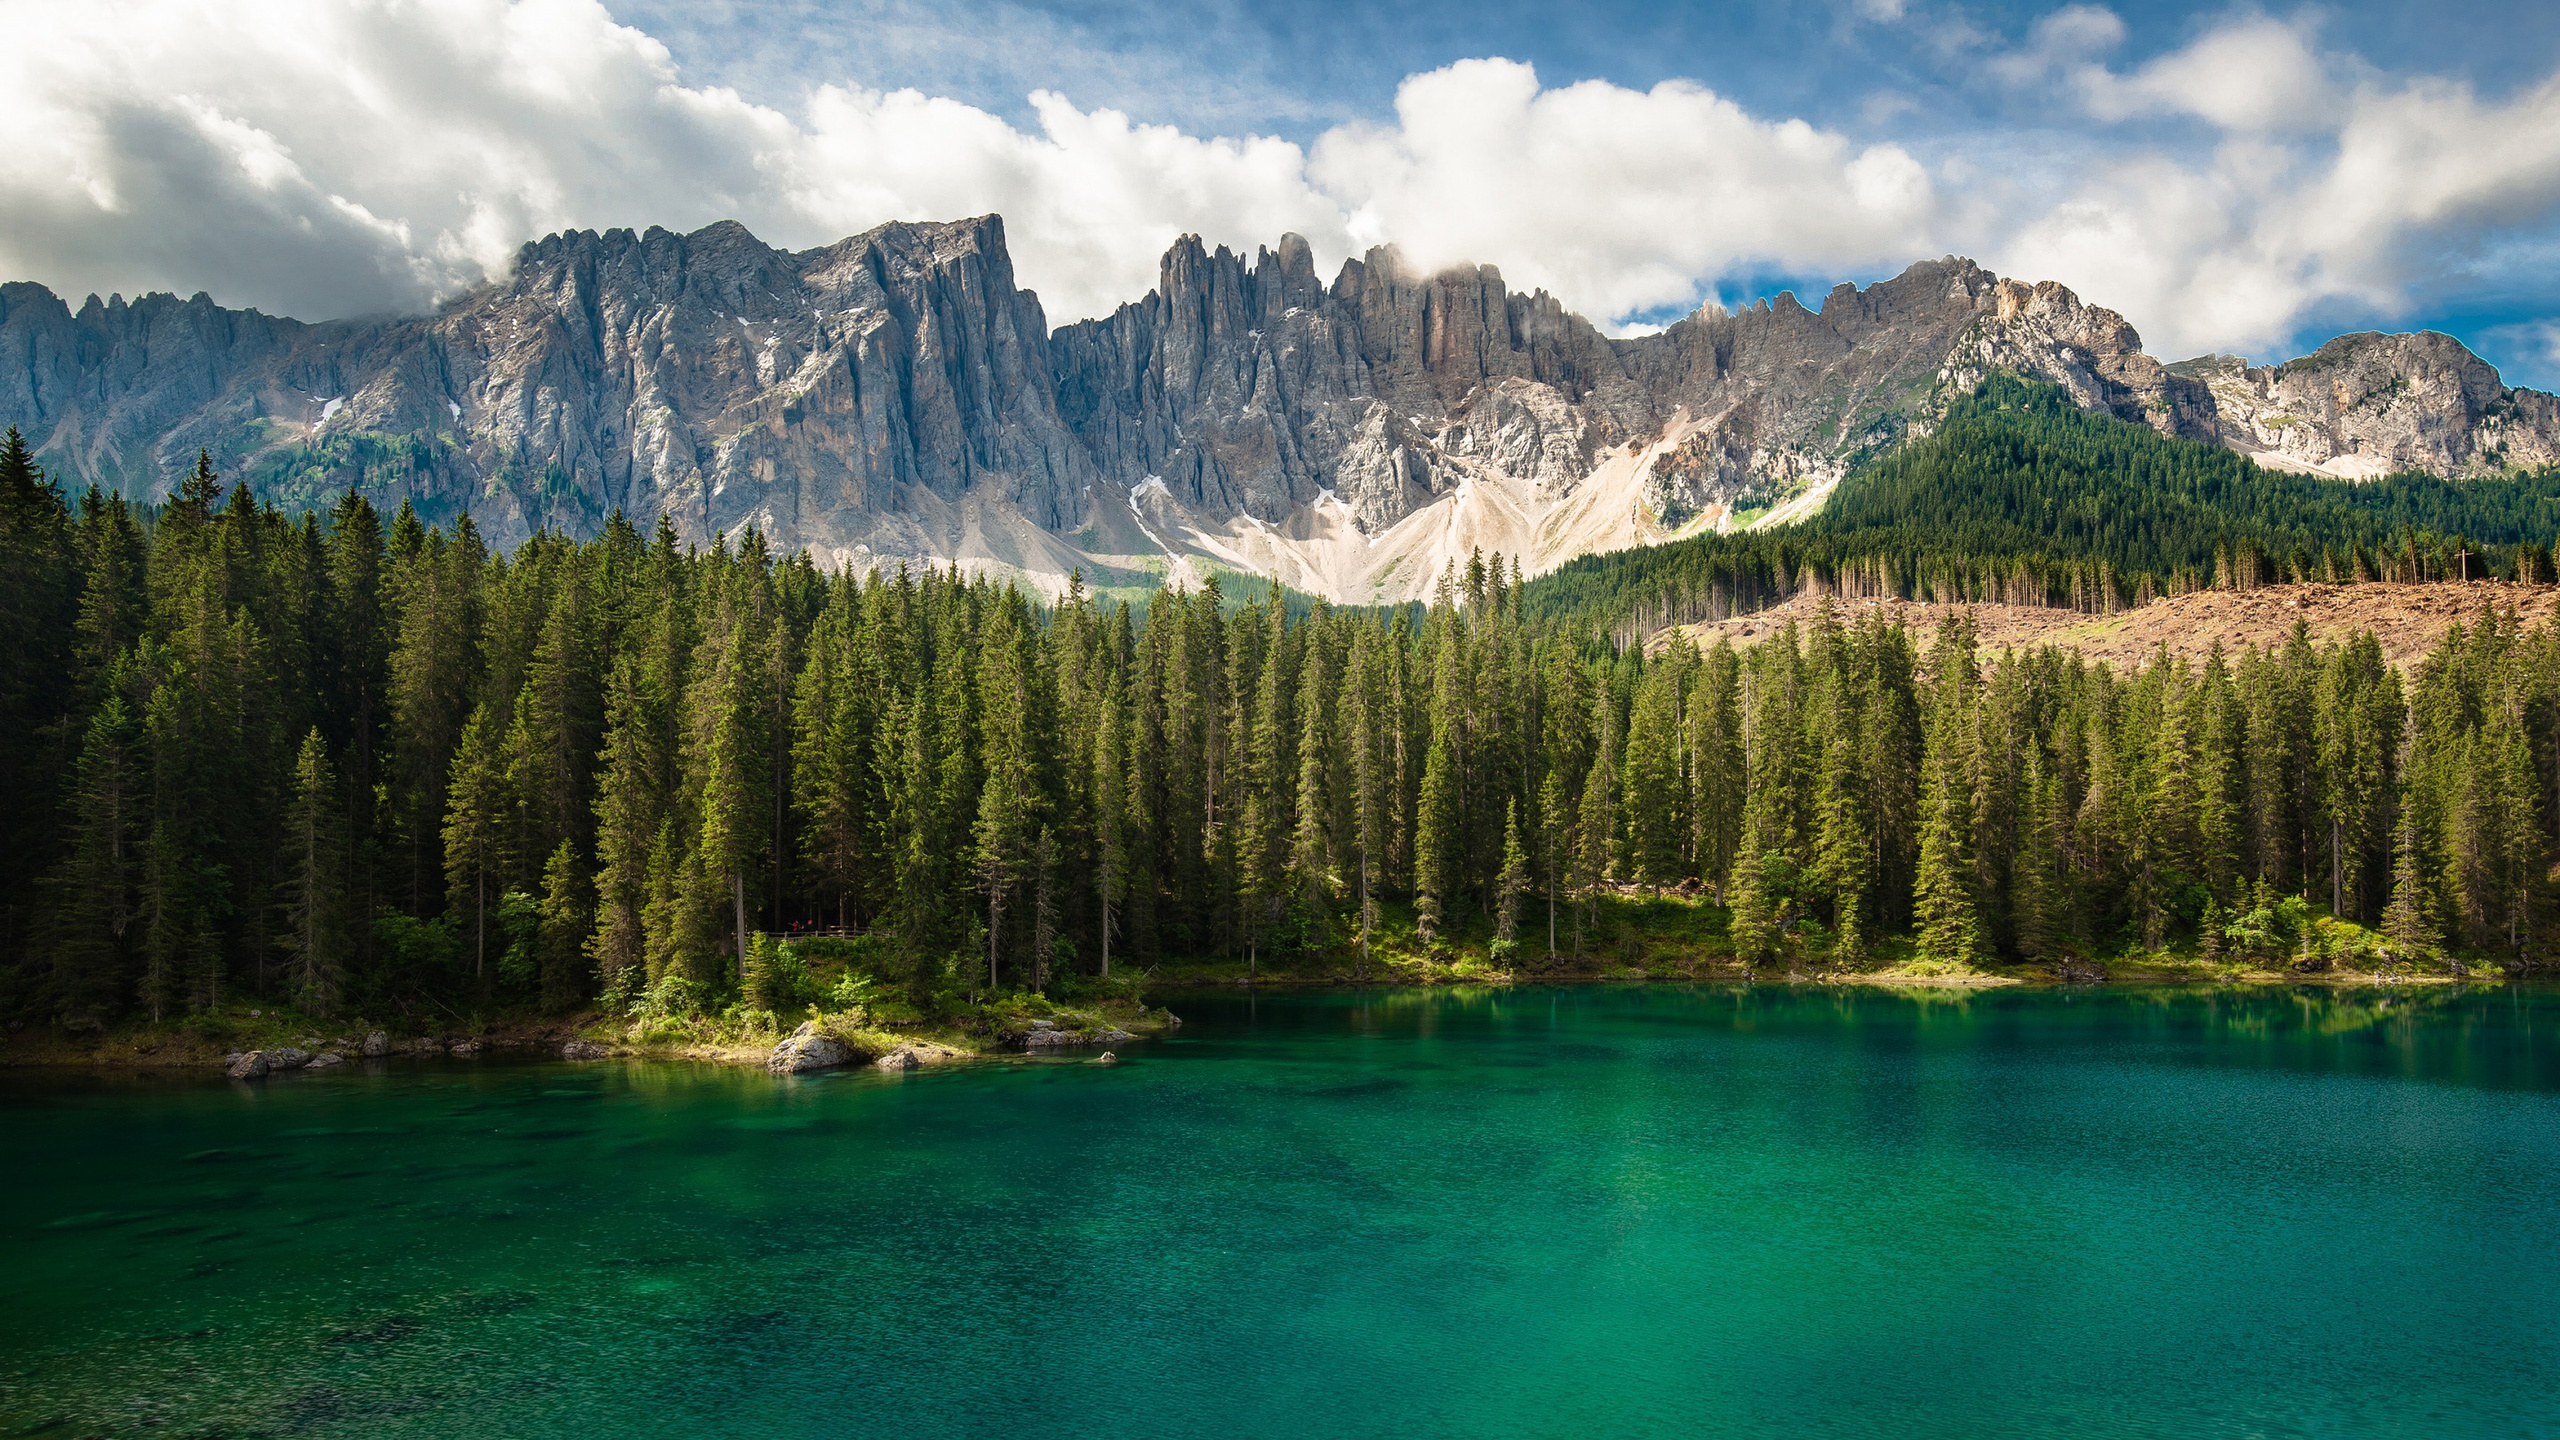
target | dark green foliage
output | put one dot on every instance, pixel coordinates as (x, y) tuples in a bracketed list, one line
[(370, 768), (2020, 496)]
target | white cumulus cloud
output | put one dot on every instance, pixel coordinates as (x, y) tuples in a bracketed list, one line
[(1618, 200), (328, 157), (2322, 186), (323, 157)]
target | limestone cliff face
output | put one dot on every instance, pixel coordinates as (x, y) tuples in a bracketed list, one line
[(2045, 331), (2365, 405), (869, 397), (896, 396), (1256, 390)]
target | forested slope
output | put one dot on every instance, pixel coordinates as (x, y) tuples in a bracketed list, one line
[(2022, 497), (376, 766)]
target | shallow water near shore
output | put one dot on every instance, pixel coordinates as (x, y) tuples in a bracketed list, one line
[(1663, 1210)]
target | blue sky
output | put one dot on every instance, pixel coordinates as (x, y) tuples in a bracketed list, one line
[(2240, 178), (1294, 69)]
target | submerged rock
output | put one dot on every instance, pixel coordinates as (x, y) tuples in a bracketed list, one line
[(251, 1066), (376, 1045), (1106, 1058), (912, 1054), (806, 1050), (583, 1050)]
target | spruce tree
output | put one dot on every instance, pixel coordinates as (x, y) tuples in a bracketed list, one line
[(1950, 927), (475, 831), (108, 811), (1654, 786), (1513, 882), (2406, 921), (313, 936), (561, 937)]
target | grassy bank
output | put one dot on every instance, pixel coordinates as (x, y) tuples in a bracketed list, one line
[(1625, 935), (1629, 934), (966, 1030)]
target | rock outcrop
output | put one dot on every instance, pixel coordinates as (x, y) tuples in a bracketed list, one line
[(896, 396), (2365, 405), (806, 1049), (1047, 1035)]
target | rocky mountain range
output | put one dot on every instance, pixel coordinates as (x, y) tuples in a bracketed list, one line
[(897, 396)]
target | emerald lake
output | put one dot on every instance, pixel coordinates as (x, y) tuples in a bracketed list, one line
[(1617, 1211)]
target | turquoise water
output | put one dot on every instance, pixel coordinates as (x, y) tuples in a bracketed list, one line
[(1536, 1213)]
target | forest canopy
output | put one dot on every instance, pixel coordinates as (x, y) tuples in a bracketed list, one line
[(2019, 496), (367, 765)]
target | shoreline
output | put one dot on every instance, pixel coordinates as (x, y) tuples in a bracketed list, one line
[(180, 1046), (210, 1043)]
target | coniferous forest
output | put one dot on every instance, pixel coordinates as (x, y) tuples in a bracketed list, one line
[(359, 764)]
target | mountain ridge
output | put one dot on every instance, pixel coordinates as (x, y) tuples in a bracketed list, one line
[(896, 395)]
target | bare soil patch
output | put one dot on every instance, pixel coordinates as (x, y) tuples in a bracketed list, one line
[(2407, 620)]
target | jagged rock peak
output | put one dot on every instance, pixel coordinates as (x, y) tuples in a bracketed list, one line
[(896, 395)]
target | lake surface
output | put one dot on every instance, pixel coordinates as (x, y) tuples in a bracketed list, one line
[(1659, 1211)]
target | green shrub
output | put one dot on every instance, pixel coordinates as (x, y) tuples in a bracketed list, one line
[(672, 997)]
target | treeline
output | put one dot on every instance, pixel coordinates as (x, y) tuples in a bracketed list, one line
[(2020, 497), (369, 766)]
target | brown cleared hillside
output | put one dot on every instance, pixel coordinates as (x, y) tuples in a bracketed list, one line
[(2407, 619)]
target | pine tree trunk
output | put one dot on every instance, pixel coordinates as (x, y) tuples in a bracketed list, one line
[(738, 898)]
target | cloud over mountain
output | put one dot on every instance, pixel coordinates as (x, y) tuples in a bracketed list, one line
[(328, 158)]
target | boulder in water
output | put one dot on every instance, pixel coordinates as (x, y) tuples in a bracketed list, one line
[(376, 1045), (287, 1058), (902, 1058), (464, 1049), (324, 1060), (251, 1066), (806, 1050), (583, 1050)]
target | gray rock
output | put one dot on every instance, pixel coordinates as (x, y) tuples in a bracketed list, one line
[(583, 1050), (464, 1049), (252, 1066), (376, 1045), (806, 1050), (324, 1060), (901, 1058), (1044, 1025), (1113, 1036), (883, 397), (1052, 1038), (287, 1058)]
